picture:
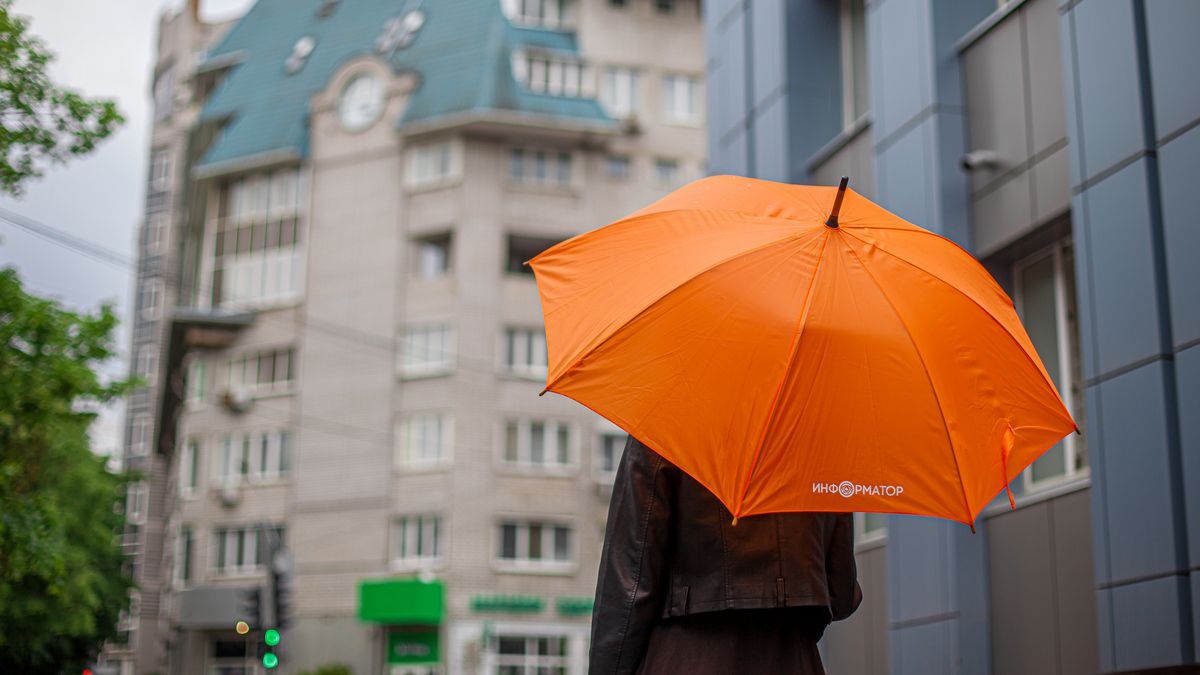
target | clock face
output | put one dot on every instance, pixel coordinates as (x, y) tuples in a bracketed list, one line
[(361, 103)]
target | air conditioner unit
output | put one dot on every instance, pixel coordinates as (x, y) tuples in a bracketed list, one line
[(236, 400), (630, 125), (229, 494)]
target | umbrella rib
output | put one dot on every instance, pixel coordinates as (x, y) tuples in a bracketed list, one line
[(928, 378), (983, 309), (591, 350), (801, 321)]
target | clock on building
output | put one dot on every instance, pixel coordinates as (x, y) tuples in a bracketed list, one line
[(361, 102)]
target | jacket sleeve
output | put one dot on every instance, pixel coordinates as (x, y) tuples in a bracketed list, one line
[(632, 583), (845, 595)]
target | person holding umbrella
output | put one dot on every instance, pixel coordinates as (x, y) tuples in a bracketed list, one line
[(782, 354)]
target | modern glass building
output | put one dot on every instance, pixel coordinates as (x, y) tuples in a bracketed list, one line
[(1056, 140)]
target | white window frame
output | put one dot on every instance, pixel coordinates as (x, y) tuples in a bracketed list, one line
[(551, 14), (418, 357), (147, 364), (154, 237), (190, 456), (127, 619), (410, 433), (407, 529), (185, 548), (1066, 359), (160, 169), (141, 429), (522, 563), (137, 502), (524, 461), (530, 661), (196, 382), (620, 91), (424, 266), (548, 73), (232, 467), (679, 88), (434, 165), (242, 371), (276, 466), (676, 179), (618, 159), (607, 430), (164, 93), (549, 161), (868, 537), (151, 298), (529, 342), (231, 566)]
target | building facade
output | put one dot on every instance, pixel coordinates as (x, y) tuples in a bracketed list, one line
[(1056, 140), (351, 348)]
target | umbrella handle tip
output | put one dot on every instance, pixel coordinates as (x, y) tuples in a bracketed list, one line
[(735, 519)]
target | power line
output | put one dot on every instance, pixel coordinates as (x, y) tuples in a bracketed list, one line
[(67, 240)]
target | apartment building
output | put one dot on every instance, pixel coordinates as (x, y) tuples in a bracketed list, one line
[(350, 349), (1057, 141)]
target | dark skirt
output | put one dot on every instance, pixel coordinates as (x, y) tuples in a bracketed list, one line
[(759, 641)]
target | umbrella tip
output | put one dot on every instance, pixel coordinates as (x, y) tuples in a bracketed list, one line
[(735, 518), (832, 222), (543, 392)]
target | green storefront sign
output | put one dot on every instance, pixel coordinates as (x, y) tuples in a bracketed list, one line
[(401, 601), (413, 648)]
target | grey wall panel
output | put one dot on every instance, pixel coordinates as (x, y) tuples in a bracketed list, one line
[(730, 156), (767, 19), (1187, 383), (1146, 627), (905, 177), (951, 19), (1051, 186), (1179, 167), (1109, 104), (1001, 215), (1104, 617), (853, 160), (904, 74), (814, 84), (952, 200), (1121, 265), (1067, 30), (995, 89), (1074, 584), (727, 78), (859, 644), (1045, 88), (1137, 474), (925, 649), (770, 141), (1174, 52), (1083, 285), (1021, 582), (1101, 560), (917, 569)]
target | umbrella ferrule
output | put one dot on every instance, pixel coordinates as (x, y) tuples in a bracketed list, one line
[(832, 221)]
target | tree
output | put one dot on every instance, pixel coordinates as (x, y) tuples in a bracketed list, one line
[(41, 122), (61, 580)]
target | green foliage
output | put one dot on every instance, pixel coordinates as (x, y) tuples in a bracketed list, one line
[(40, 121), (330, 669), (61, 584)]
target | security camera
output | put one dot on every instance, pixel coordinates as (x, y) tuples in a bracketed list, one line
[(979, 159)]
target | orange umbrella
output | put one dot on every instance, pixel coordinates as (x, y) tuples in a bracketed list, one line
[(799, 348)]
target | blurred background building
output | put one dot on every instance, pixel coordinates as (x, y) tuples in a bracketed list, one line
[(341, 346), (1057, 140)]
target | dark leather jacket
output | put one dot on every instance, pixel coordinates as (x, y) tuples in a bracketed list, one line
[(670, 549)]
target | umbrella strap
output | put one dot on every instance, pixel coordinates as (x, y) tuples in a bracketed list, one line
[(1006, 446)]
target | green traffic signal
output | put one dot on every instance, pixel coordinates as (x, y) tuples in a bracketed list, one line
[(270, 660), (271, 637)]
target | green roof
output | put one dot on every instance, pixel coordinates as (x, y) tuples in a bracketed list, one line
[(462, 55)]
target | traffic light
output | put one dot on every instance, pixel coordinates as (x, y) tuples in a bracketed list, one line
[(270, 658), (250, 607), (281, 587)]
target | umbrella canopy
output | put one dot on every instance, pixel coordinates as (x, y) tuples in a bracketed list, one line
[(793, 361)]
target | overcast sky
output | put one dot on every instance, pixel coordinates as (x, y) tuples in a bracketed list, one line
[(103, 48)]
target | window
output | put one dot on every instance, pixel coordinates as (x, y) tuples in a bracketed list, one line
[(541, 13), (538, 444), (189, 467), (431, 256), (140, 430), (137, 501), (427, 350), (146, 367), (540, 167), (263, 372), (151, 299), (550, 74), (256, 257), (127, 619), (1044, 295), (532, 655), (418, 540), (609, 447), (231, 657), (242, 550), (680, 99), (525, 352), (869, 528), (164, 93), (160, 169), (433, 164), (425, 440), (618, 167), (233, 461), (619, 91), (261, 456), (666, 171), (196, 382), (618, 3), (154, 237), (665, 6), (522, 249), (183, 556), (855, 99), (534, 545)]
